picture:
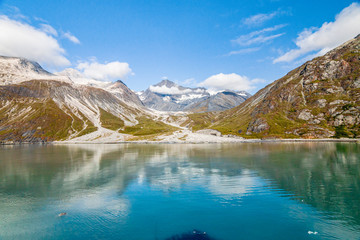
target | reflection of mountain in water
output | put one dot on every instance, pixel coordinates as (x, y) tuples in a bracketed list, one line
[(324, 175)]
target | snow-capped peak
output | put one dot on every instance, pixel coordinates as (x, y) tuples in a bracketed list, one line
[(166, 83)]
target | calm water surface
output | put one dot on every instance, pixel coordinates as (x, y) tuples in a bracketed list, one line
[(135, 191)]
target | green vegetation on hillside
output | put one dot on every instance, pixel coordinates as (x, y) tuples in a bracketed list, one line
[(341, 132), (199, 121), (147, 126), (110, 121), (43, 121)]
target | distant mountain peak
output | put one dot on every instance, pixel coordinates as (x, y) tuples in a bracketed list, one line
[(119, 82), (166, 83), (169, 96)]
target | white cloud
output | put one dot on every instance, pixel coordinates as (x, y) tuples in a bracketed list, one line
[(259, 36), (189, 82), (230, 81), (260, 18), (166, 90), (243, 51), (15, 13), (22, 40), (258, 80), (48, 29), (105, 72), (39, 19), (71, 37), (328, 36)]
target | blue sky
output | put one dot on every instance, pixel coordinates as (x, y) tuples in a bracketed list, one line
[(216, 44)]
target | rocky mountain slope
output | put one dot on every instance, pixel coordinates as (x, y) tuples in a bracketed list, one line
[(319, 99), (168, 96), (38, 106), (118, 88)]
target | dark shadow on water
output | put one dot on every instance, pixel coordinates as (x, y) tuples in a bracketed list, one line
[(191, 235)]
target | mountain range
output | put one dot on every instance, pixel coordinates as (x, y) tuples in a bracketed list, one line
[(319, 99), (168, 96)]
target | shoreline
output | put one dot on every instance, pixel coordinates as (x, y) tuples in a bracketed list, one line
[(297, 140), (350, 140)]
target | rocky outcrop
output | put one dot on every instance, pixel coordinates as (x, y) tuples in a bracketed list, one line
[(257, 126)]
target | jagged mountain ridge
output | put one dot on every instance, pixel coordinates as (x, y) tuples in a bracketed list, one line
[(319, 99), (168, 96)]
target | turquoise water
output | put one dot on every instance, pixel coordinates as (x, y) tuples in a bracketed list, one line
[(143, 191)]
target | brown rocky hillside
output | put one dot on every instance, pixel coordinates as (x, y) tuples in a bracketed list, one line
[(319, 99)]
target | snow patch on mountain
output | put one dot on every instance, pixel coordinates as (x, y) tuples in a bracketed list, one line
[(167, 99), (189, 97), (168, 90)]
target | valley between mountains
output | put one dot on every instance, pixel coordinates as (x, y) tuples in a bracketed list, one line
[(319, 99)]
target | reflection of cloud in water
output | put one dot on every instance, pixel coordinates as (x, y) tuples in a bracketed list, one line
[(235, 186), (173, 177), (106, 200)]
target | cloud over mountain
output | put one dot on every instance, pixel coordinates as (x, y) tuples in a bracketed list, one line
[(168, 90), (230, 81), (105, 72), (37, 44)]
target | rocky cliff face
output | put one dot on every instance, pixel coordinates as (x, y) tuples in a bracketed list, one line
[(168, 96), (321, 98)]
